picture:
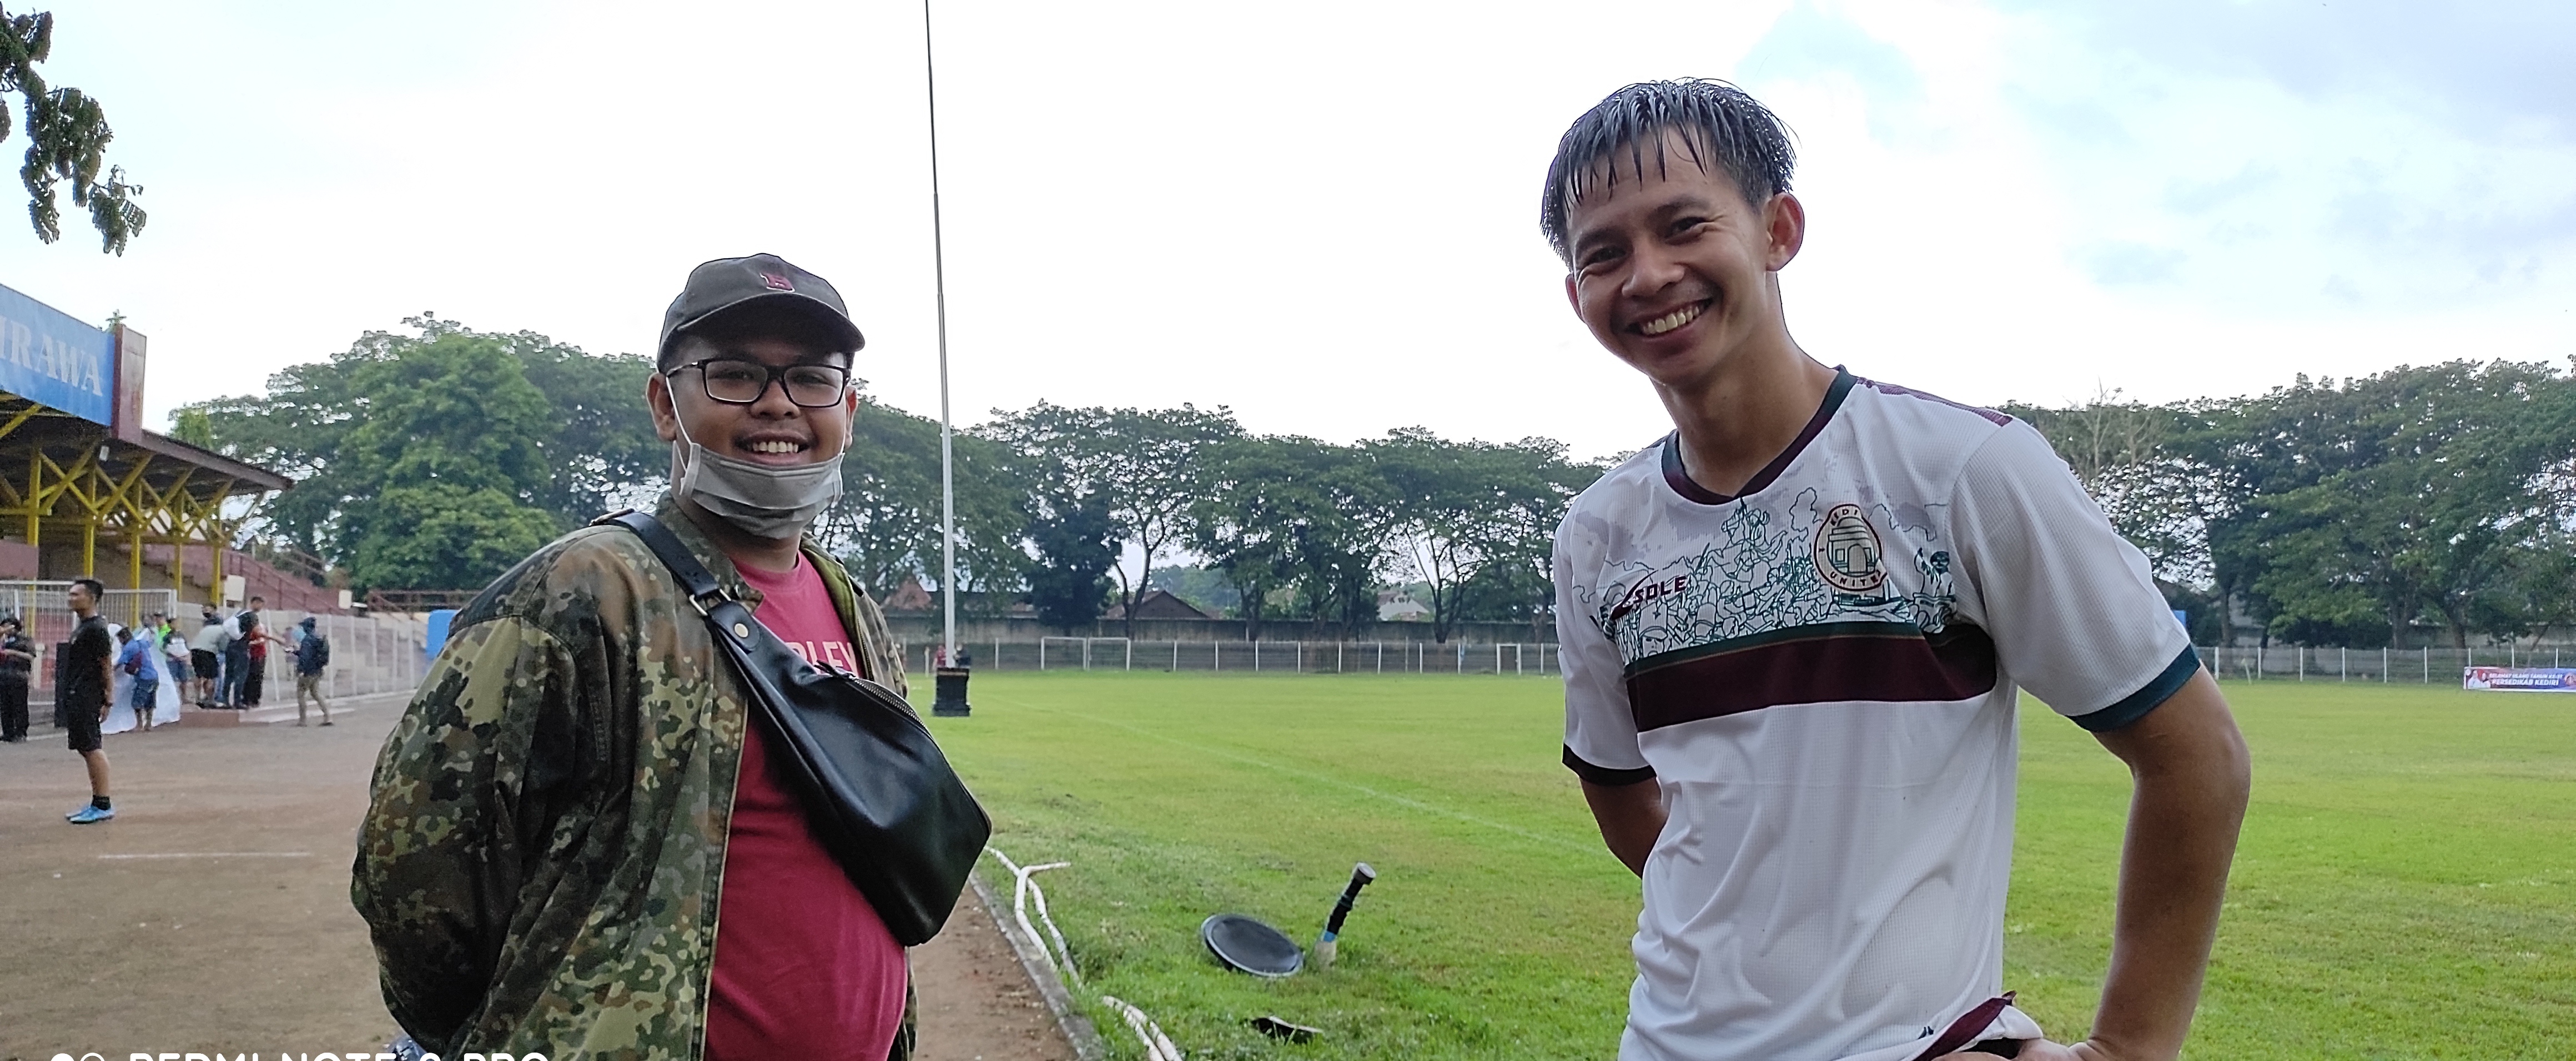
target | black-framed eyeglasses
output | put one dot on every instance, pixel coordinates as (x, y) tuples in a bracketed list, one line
[(737, 381)]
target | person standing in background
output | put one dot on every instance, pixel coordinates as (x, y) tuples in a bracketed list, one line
[(206, 656), (80, 694), (312, 654), (236, 650), (134, 657), (175, 661), (256, 639), (17, 668)]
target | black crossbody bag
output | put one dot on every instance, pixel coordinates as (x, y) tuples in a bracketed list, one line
[(881, 797)]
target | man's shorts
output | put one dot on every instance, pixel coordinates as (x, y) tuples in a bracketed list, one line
[(80, 721), (208, 665), (147, 695)]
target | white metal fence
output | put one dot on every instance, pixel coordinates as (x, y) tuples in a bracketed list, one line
[(2435, 666), (1266, 657), (2411, 666), (370, 654)]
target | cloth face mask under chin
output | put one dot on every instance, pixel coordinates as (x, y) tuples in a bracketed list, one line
[(764, 501)]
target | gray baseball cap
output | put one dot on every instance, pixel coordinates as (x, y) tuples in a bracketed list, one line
[(765, 280)]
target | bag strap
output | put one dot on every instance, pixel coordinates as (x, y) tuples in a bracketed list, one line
[(695, 580)]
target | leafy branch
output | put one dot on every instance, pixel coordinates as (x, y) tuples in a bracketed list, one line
[(67, 135)]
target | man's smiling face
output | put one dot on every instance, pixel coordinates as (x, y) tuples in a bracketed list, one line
[(1672, 269), (772, 430)]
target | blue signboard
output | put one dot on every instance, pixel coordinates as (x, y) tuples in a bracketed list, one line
[(49, 357)]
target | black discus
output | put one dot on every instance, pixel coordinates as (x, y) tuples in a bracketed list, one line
[(1247, 945)]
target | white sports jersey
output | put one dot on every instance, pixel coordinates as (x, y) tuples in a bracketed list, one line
[(1821, 672)]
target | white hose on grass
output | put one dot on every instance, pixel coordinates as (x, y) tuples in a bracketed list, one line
[(1157, 1048), (1062, 959)]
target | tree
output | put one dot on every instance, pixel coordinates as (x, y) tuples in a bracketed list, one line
[(1232, 524), (1076, 543), (598, 442), (1144, 465), (1285, 512), (440, 535), (67, 137), (449, 406), (451, 445), (2432, 516), (2157, 498), (885, 526), (2348, 513), (1474, 515)]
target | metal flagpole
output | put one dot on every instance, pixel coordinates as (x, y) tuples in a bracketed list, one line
[(951, 679)]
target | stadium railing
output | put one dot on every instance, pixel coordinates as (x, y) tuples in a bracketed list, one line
[(1265, 657), (2403, 666)]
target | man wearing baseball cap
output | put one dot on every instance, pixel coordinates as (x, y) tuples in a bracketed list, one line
[(581, 843)]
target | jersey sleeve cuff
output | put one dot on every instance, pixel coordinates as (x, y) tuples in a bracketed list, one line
[(1606, 777), (2136, 705)]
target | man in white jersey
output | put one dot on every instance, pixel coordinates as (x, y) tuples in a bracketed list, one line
[(1794, 631)]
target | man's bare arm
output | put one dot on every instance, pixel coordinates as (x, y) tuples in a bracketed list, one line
[(2192, 777), (1630, 816)]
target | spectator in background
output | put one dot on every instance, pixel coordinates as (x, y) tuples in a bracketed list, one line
[(206, 656), (175, 661), (237, 656), (80, 694), (312, 653), (17, 666), (255, 635), (134, 657)]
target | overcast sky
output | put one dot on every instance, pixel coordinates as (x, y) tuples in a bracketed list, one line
[(1324, 214)]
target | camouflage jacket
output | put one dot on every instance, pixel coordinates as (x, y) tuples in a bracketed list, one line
[(542, 855)]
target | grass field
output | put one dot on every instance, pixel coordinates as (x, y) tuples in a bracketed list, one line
[(2406, 887)]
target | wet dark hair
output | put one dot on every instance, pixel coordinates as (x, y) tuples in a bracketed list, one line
[(1718, 124), (97, 589)]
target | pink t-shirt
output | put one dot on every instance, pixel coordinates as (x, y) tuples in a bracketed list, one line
[(803, 966)]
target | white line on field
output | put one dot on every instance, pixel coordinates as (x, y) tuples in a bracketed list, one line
[(1402, 801), (219, 854)]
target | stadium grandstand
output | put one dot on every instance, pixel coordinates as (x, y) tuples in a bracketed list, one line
[(86, 491)]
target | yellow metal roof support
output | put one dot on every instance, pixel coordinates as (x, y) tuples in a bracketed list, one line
[(211, 528), (136, 489), (35, 491), (20, 420), (88, 484), (66, 480)]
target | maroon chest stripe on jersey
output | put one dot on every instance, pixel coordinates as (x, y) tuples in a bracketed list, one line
[(1825, 663)]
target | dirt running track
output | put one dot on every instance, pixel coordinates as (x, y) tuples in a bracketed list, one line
[(213, 913)]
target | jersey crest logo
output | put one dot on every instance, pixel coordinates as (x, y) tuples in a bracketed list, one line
[(1847, 552)]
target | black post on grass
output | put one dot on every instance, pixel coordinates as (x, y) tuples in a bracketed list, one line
[(950, 700)]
